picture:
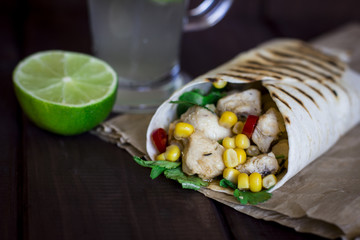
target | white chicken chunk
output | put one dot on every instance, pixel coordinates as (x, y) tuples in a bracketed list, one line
[(205, 121), (243, 103), (202, 156), (264, 164), (267, 129)]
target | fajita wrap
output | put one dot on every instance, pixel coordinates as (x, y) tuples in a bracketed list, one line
[(317, 95)]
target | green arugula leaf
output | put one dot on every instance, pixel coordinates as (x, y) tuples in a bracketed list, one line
[(192, 97), (213, 97), (156, 171), (164, 164), (158, 167), (188, 182), (226, 183), (280, 156), (246, 197), (183, 104), (196, 98)]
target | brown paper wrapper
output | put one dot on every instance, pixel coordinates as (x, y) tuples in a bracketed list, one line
[(323, 199)]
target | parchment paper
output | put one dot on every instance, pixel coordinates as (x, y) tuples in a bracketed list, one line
[(323, 199)]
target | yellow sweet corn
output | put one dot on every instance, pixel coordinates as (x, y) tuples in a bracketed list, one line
[(230, 158), (172, 153), (242, 141), (243, 181), (269, 181), (183, 130), (241, 155), (255, 182), (160, 157), (228, 142), (228, 119), (219, 84), (231, 174), (238, 127)]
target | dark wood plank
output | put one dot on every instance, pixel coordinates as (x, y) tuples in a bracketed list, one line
[(308, 19), (81, 187), (10, 170)]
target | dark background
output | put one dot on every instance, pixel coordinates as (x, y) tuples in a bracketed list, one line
[(54, 187)]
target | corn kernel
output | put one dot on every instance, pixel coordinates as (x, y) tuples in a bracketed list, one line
[(241, 155), (228, 119), (231, 174), (238, 127), (172, 153), (255, 182), (228, 142), (269, 181), (160, 157), (230, 158), (183, 130), (219, 83), (242, 141), (243, 181)]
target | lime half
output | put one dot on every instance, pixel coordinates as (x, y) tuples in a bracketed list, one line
[(65, 92)]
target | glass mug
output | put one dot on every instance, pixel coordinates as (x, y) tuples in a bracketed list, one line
[(140, 39)]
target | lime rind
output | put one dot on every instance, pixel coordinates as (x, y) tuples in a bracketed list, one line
[(87, 69), (62, 119)]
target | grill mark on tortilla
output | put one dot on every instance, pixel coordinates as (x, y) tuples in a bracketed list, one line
[(287, 68), (284, 63), (274, 95), (308, 50), (249, 79), (316, 90), (265, 69), (287, 119), (257, 73), (304, 58), (292, 96), (331, 90), (307, 95), (206, 154)]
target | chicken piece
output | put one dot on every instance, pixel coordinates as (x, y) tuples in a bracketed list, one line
[(205, 121), (241, 103), (202, 156), (264, 164), (269, 126), (281, 150)]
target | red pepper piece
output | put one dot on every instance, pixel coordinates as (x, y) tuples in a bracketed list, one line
[(249, 125), (159, 138)]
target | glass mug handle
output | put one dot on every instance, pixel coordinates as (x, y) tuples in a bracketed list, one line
[(207, 14)]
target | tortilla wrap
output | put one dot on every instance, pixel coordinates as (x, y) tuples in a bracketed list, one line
[(317, 95)]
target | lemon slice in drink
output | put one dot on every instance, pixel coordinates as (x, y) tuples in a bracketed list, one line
[(65, 92)]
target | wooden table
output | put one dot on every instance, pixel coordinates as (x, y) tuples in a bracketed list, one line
[(55, 187)]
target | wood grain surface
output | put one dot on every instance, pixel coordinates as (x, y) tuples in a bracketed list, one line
[(79, 187)]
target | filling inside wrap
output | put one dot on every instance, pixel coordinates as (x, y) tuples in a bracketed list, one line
[(255, 121), (234, 133)]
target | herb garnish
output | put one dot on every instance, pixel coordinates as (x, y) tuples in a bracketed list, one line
[(197, 98), (157, 167), (172, 171), (246, 197)]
